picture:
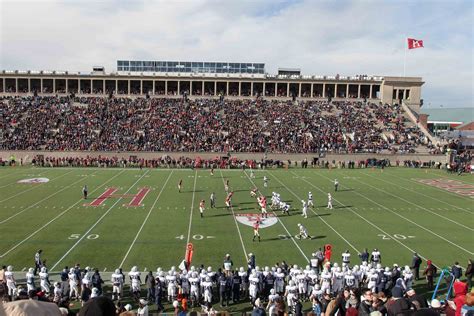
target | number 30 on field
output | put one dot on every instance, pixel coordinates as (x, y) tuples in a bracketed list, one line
[(77, 236)]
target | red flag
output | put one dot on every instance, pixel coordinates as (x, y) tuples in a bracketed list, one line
[(414, 43)]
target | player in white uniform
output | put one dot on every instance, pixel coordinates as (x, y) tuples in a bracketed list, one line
[(30, 279), (244, 284), (285, 208), (303, 232), (207, 290), (262, 202), (265, 181), (326, 280), (375, 257), (312, 280), (346, 258), (171, 280), (185, 286), (195, 285), (372, 278), (407, 277), (57, 292), (291, 294), (279, 281), (302, 282), (135, 282), (11, 282), (117, 285), (253, 286), (44, 280), (329, 201), (304, 209), (73, 282), (310, 199), (349, 280), (272, 302)]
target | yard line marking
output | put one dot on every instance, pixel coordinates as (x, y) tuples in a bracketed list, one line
[(424, 187), (407, 219), (281, 222), (192, 208), (97, 222), (414, 204), (370, 223), (35, 186), (320, 217), (36, 204), (146, 219), (236, 224), (57, 216)]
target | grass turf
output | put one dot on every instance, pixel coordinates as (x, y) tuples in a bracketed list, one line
[(389, 210)]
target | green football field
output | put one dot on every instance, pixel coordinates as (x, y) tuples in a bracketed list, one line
[(391, 210)]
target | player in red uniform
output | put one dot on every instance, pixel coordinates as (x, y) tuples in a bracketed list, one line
[(228, 200), (256, 228)]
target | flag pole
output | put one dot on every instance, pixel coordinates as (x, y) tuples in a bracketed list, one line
[(405, 58)]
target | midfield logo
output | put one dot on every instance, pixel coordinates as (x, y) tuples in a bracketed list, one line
[(136, 201), (34, 180), (250, 219)]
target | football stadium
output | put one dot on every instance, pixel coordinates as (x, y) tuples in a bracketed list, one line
[(218, 188)]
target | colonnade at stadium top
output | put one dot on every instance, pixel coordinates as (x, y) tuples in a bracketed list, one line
[(383, 89)]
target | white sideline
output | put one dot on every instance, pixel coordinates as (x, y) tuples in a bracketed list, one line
[(236, 224), (442, 190), (46, 198), (57, 216), (146, 219), (192, 207), (281, 222), (320, 217), (34, 187), (369, 222), (97, 222), (441, 237)]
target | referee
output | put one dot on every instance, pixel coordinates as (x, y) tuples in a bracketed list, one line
[(84, 191)]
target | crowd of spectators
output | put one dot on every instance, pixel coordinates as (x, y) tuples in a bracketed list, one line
[(204, 125), (321, 288)]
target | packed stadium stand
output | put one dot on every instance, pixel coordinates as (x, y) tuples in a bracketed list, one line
[(205, 125)]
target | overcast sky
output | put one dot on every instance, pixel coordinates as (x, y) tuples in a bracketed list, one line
[(320, 37)]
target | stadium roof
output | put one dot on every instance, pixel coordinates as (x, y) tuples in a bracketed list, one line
[(451, 115)]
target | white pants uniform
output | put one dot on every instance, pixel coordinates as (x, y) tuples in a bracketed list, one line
[(135, 286), (195, 291), (73, 290), (171, 289), (253, 291), (208, 293), (44, 286), (305, 212), (279, 284), (326, 285), (11, 288)]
